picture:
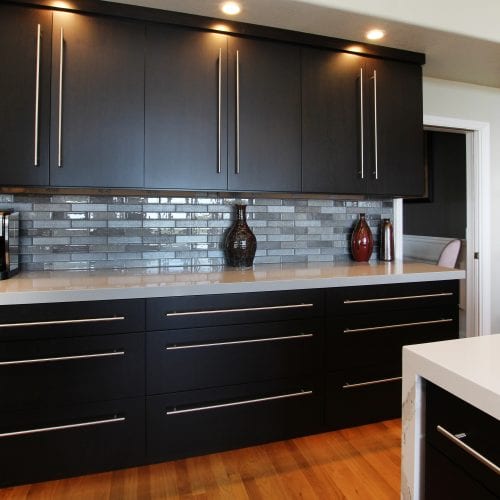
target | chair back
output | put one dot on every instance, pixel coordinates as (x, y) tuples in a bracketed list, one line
[(449, 255)]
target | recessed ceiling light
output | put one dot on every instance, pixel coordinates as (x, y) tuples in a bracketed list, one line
[(230, 8), (375, 34)]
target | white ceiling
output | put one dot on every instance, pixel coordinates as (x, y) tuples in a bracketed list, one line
[(460, 39)]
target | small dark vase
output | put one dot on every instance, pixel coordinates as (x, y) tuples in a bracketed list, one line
[(240, 244), (361, 240)]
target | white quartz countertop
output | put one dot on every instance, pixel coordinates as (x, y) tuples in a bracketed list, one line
[(468, 368), (61, 286)]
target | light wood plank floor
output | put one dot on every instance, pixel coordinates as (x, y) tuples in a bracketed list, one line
[(358, 463)]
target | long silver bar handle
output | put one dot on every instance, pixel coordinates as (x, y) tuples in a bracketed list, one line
[(362, 124), (237, 342), (219, 115), (62, 358), (37, 91), (375, 127), (471, 451), (237, 111), (347, 385), (242, 309), (113, 420), (403, 297), (240, 403), (61, 322), (399, 325), (59, 125)]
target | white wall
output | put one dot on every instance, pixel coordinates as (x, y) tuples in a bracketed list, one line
[(476, 103)]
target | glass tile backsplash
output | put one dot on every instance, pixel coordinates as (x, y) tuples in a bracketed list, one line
[(97, 232)]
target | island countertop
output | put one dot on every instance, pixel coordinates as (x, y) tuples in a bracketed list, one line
[(65, 286)]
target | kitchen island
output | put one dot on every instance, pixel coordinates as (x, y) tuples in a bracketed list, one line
[(469, 371)]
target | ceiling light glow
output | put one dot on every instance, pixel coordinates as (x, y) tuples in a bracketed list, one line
[(230, 8), (375, 34)]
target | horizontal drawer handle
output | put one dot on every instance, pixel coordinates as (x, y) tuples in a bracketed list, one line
[(244, 309), (456, 439), (113, 420), (240, 403), (61, 322), (404, 297), (236, 342), (62, 358), (371, 382), (399, 325)]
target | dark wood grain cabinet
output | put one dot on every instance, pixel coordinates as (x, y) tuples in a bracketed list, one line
[(25, 56), (362, 125)]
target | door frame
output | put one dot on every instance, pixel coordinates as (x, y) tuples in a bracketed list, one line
[(478, 284)]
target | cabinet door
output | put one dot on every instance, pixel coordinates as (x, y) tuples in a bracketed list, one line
[(97, 127), (264, 116), (25, 40), (331, 122), (186, 109), (395, 132)]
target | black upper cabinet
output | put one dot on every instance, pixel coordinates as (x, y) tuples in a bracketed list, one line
[(264, 116), (97, 121), (186, 109), (362, 125), (25, 40)]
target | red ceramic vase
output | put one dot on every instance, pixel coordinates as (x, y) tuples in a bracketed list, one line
[(362, 241)]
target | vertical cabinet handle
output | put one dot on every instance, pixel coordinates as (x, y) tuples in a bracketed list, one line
[(375, 129), (59, 127), (237, 111), (37, 91), (219, 115), (361, 124)]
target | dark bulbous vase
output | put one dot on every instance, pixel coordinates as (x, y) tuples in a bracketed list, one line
[(361, 241), (240, 243)]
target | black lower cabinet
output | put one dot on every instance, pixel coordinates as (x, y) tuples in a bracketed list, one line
[(70, 440), (197, 422)]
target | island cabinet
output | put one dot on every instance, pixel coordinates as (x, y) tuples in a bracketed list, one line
[(366, 329), (25, 52), (72, 389), (462, 452), (362, 129), (225, 371), (97, 120)]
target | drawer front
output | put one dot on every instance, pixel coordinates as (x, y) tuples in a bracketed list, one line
[(379, 298), (71, 440), (71, 319), (197, 358), (231, 309), (69, 370), (197, 422), (373, 338), (467, 436), (361, 396)]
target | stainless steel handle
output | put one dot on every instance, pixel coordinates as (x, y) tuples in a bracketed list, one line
[(375, 126), (471, 451), (362, 124), (62, 358), (243, 309), (59, 126), (371, 382), (37, 91), (236, 342), (240, 403), (399, 325), (403, 297), (219, 116), (61, 322), (237, 111), (113, 420)]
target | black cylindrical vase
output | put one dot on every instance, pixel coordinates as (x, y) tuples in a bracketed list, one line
[(240, 244)]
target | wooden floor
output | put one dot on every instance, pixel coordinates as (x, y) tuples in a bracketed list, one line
[(358, 463)]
